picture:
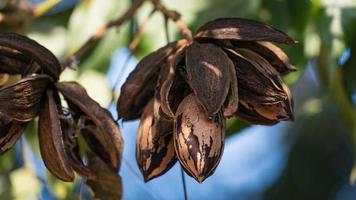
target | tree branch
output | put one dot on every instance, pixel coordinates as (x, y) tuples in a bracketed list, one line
[(174, 16), (169, 14), (101, 32)]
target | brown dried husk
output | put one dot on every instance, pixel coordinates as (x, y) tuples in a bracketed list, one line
[(105, 126), (10, 131), (21, 100), (241, 29), (198, 140), (33, 50), (208, 76), (139, 86), (275, 56), (257, 79), (155, 152), (51, 140), (172, 86)]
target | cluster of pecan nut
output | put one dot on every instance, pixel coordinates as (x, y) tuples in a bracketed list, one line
[(184, 91), (36, 92)]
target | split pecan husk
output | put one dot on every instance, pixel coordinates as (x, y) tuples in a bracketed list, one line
[(37, 93), (230, 68)]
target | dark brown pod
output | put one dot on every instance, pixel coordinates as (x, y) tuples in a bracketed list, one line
[(208, 75), (198, 140), (155, 152), (21, 100), (273, 54), (253, 117), (105, 125), (107, 184), (70, 139), (256, 77), (171, 90), (51, 140), (241, 29), (33, 50), (12, 62), (141, 80), (10, 132), (232, 99), (265, 114)]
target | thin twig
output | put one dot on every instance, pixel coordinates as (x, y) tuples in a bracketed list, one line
[(132, 47), (137, 38), (174, 16), (166, 29), (184, 184), (101, 32)]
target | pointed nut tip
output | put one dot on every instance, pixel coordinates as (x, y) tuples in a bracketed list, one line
[(200, 179), (146, 179)]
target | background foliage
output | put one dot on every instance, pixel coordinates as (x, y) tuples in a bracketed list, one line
[(322, 139)]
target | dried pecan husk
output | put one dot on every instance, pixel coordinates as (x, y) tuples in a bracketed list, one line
[(208, 76), (275, 56), (241, 29), (155, 152), (10, 131), (172, 86), (267, 114), (262, 93), (256, 77), (31, 49), (70, 138), (12, 62), (253, 117), (51, 140), (145, 73), (232, 100), (198, 140), (21, 100), (105, 126), (107, 184)]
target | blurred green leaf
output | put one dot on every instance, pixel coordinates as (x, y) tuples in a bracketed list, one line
[(25, 183)]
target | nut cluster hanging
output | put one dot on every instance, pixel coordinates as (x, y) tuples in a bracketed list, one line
[(184, 91), (36, 92)]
